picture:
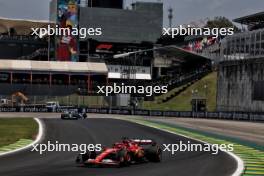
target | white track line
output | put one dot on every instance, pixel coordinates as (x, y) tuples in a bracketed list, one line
[(37, 140), (240, 163)]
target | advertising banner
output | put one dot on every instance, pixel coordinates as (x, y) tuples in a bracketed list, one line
[(67, 20)]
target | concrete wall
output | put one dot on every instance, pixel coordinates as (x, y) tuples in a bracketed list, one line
[(237, 81)]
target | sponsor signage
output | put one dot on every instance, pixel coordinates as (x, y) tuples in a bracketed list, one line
[(67, 18)]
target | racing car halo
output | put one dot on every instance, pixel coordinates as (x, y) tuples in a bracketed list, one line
[(124, 153)]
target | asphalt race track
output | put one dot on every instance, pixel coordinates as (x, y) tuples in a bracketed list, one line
[(106, 132)]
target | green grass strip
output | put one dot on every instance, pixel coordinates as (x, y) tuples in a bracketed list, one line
[(17, 145)]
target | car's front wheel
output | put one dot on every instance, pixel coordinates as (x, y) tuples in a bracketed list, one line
[(123, 158), (82, 158)]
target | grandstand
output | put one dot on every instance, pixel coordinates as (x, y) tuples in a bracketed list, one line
[(241, 76), (32, 66), (50, 77), (16, 41)]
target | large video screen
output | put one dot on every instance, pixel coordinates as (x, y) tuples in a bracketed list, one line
[(123, 26), (106, 3)]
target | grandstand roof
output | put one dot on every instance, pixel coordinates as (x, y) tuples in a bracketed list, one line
[(251, 19), (182, 54), (137, 76), (53, 66), (21, 26)]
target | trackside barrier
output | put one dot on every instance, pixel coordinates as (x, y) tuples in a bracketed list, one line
[(241, 116)]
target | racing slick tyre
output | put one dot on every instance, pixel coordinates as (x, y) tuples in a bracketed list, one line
[(82, 158), (124, 158), (153, 154)]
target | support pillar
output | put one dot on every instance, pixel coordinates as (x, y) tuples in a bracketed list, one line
[(31, 77), (69, 80), (107, 80), (89, 83), (11, 78), (50, 80)]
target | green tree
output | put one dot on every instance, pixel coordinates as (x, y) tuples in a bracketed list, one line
[(221, 22)]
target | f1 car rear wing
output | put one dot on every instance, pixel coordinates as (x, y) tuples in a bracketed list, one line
[(140, 141), (143, 141)]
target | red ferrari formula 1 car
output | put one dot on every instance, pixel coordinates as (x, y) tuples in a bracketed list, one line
[(123, 153)]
